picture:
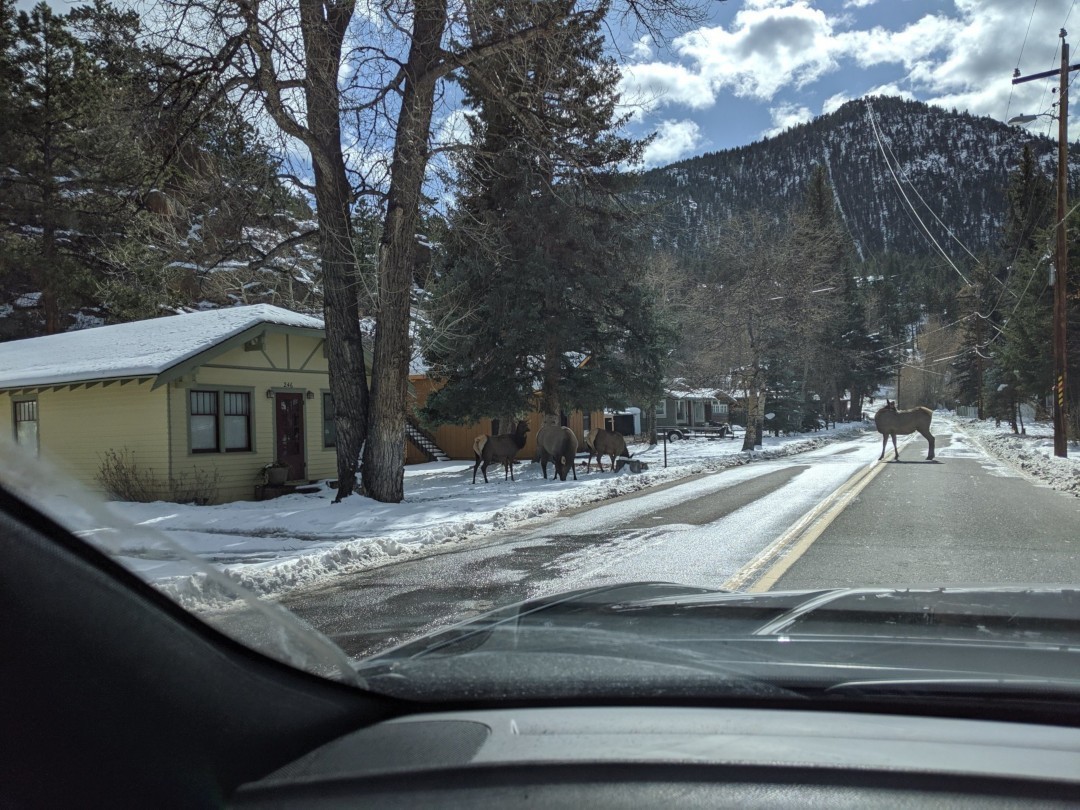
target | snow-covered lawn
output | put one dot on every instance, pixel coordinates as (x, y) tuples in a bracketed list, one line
[(1032, 454), (303, 539)]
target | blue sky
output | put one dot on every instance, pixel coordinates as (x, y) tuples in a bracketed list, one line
[(758, 67)]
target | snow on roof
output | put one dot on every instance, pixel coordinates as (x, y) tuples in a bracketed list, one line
[(135, 349), (696, 393)]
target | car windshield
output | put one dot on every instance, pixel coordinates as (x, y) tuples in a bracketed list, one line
[(763, 309)]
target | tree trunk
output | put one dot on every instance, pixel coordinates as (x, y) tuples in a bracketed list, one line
[(344, 346), (46, 278), (750, 437), (549, 394), (384, 453)]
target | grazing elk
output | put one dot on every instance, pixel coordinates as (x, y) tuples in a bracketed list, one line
[(503, 448), (558, 445), (891, 422), (602, 443)]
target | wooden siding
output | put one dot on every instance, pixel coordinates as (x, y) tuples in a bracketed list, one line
[(285, 363), (457, 440), (78, 424)]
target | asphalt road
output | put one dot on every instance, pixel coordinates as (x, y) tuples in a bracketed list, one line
[(963, 519)]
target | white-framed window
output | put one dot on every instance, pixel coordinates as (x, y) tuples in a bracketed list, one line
[(661, 408), (26, 424), (719, 407), (680, 410), (699, 410), (219, 421)]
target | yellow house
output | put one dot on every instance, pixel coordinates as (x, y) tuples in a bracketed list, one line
[(214, 395)]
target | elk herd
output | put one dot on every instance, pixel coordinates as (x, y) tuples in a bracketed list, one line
[(559, 445), (554, 445)]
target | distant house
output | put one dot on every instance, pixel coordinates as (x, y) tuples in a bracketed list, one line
[(226, 390), (694, 407)]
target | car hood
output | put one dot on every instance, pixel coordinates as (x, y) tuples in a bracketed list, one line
[(653, 638)]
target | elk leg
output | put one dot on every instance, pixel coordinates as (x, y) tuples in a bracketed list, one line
[(930, 440), (483, 469), (895, 451), (884, 444), (475, 467), (573, 466)]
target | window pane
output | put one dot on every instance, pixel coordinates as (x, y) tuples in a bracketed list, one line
[(237, 403), (237, 420), (236, 433), (203, 421), (26, 434), (204, 433), (204, 403), (26, 426)]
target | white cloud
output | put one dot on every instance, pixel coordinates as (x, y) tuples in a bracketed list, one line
[(647, 86), (768, 46), (674, 139), (785, 117), (642, 49), (834, 102), (959, 56)]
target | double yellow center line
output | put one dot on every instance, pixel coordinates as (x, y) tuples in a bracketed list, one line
[(762, 572)]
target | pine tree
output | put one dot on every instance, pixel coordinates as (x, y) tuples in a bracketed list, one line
[(540, 247)]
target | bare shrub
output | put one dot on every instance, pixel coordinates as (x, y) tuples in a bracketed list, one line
[(124, 480), (199, 487)]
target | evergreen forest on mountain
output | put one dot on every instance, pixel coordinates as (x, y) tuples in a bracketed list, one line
[(535, 265)]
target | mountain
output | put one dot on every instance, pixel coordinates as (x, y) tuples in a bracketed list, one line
[(956, 162)]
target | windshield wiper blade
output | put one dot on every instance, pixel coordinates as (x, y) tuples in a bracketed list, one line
[(1010, 688)]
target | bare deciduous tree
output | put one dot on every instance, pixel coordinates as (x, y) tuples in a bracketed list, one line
[(759, 301), (312, 64)]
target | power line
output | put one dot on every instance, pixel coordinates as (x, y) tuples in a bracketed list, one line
[(926, 205), (1016, 72), (877, 135)]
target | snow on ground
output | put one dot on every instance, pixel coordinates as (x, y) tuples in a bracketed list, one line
[(1032, 454), (299, 540)]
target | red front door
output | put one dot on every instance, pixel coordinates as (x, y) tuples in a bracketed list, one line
[(289, 429)]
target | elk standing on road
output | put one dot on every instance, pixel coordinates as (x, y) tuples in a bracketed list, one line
[(503, 447), (891, 422), (602, 443), (557, 444)]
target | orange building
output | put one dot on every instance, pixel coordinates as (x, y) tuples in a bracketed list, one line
[(456, 441)]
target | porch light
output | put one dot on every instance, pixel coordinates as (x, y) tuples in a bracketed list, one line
[(269, 393)]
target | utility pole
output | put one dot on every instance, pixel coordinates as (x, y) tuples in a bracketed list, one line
[(1061, 261)]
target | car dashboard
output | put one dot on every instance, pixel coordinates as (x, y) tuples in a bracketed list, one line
[(619, 756)]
